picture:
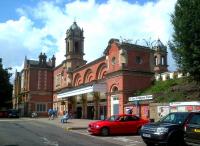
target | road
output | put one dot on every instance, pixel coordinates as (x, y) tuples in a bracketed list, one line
[(125, 140), (17, 132)]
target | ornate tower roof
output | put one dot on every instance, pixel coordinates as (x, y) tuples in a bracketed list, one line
[(159, 46), (74, 30), (74, 26)]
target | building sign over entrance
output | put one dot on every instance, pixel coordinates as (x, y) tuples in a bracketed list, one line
[(138, 98)]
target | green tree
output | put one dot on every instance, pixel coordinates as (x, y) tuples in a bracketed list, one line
[(5, 88), (185, 46)]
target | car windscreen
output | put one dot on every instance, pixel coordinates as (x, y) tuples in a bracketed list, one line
[(13, 111), (112, 118), (175, 118), (195, 119)]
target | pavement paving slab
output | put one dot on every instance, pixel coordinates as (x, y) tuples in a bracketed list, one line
[(72, 124)]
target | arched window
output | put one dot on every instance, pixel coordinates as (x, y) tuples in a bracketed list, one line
[(113, 61), (68, 47), (88, 77), (101, 71), (114, 89), (138, 60), (162, 60), (76, 47), (77, 80), (155, 60)]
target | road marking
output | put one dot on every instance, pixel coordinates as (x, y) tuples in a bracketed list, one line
[(118, 139), (14, 120), (48, 142), (123, 139), (135, 141), (67, 128)]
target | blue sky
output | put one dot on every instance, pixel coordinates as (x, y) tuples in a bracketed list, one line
[(8, 7), (28, 27)]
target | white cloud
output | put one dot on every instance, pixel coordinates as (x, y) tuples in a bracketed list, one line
[(100, 23)]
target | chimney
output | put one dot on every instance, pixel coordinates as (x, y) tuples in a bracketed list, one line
[(44, 59), (1, 63), (53, 60), (40, 58)]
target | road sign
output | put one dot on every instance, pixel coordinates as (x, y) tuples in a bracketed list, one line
[(139, 98)]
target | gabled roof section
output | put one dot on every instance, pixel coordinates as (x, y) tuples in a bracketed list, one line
[(110, 42), (128, 46), (124, 45), (35, 63)]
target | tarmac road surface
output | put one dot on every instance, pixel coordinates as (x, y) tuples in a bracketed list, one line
[(30, 133)]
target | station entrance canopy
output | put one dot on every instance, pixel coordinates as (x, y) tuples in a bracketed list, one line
[(83, 90)]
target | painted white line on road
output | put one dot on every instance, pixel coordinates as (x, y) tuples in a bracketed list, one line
[(120, 139), (135, 141), (48, 142), (14, 120), (123, 139)]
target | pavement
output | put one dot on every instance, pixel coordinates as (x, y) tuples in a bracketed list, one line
[(72, 124)]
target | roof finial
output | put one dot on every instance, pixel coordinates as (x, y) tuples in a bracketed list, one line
[(74, 19), (158, 38)]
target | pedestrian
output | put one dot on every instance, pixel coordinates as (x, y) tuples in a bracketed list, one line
[(130, 111), (70, 114), (50, 113), (65, 117), (55, 113)]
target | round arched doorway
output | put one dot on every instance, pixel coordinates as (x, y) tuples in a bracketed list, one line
[(114, 101)]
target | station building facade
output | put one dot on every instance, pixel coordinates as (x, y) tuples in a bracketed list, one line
[(100, 88)]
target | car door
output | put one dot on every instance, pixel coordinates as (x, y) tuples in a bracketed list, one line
[(193, 128), (116, 126), (134, 123), (121, 125)]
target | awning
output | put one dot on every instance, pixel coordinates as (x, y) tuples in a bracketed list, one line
[(87, 89)]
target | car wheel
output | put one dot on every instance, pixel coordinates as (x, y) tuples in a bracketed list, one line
[(149, 144), (138, 131), (104, 131), (175, 140)]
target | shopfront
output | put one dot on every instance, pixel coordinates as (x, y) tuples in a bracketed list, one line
[(139, 105), (184, 106), (88, 102)]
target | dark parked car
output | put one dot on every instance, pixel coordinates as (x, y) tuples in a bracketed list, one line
[(3, 114), (168, 131), (13, 113), (192, 130)]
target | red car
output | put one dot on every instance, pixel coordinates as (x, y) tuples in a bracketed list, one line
[(117, 124)]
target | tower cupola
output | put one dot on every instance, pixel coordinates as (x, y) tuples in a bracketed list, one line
[(160, 57), (159, 46), (74, 46)]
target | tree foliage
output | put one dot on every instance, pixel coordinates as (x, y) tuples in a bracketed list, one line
[(186, 38), (5, 88)]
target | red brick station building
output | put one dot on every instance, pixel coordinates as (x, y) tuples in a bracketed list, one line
[(93, 90)]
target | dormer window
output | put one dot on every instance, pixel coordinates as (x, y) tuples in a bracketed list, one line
[(113, 61)]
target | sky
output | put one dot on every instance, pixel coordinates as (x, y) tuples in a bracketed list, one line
[(28, 27)]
